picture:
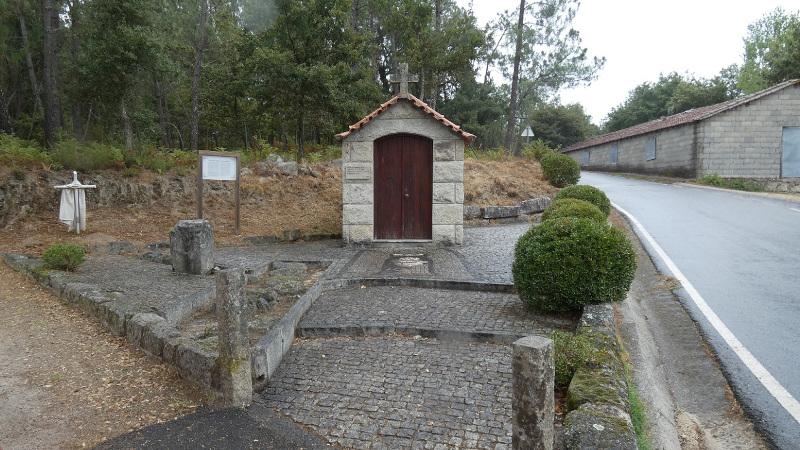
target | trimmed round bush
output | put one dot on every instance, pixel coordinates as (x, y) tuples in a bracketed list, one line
[(564, 264), (573, 207), (588, 193), (560, 170), (63, 257)]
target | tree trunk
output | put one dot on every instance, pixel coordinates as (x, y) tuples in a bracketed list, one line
[(77, 106), (126, 125), (199, 49), (301, 134), (52, 113), (5, 117), (23, 29), (435, 75), (513, 107), (163, 115)]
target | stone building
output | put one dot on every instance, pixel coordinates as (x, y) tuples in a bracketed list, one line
[(403, 175), (756, 136)]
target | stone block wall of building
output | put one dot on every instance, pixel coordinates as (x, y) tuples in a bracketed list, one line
[(675, 154), (358, 174), (747, 142)]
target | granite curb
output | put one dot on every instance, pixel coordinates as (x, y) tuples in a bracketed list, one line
[(377, 330), (597, 397)]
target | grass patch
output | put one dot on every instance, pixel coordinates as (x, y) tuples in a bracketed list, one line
[(637, 408), (571, 352), (730, 183)]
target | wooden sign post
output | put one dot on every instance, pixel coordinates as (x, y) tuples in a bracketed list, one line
[(219, 166)]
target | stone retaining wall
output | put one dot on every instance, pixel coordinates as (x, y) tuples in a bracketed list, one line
[(597, 397), (506, 213)]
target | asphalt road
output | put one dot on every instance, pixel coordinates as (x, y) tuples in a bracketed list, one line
[(742, 254)]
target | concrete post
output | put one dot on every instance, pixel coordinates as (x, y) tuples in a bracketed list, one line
[(234, 345), (191, 246), (533, 400)]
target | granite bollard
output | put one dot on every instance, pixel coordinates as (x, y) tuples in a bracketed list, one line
[(233, 362), (191, 247), (533, 404)]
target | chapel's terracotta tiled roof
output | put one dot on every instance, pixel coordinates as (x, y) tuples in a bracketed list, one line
[(417, 103), (686, 117)]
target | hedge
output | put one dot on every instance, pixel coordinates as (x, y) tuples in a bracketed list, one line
[(566, 263), (588, 193)]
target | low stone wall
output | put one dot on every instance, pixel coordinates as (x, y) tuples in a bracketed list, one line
[(597, 397), (788, 185), (493, 214)]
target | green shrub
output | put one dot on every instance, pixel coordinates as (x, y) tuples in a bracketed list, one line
[(324, 154), (730, 183), (588, 193), (160, 160), (537, 150), (74, 155), (560, 170), (63, 257), (566, 263), (20, 154), (570, 353), (573, 207)]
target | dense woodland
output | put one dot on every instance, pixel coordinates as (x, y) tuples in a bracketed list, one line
[(201, 74)]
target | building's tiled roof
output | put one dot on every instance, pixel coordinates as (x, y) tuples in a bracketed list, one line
[(417, 103), (686, 117)]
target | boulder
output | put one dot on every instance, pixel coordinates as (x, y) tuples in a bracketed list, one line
[(534, 205), (287, 168), (274, 158), (499, 212)]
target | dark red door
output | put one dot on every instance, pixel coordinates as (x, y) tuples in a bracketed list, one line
[(403, 187)]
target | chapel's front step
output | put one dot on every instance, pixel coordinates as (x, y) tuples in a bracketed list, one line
[(411, 310)]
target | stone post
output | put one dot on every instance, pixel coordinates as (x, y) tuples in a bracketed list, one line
[(533, 400), (234, 345), (191, 246)]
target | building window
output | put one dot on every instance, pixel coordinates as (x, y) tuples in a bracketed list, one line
[(613, 155), (790, 159), (650, 149), (585, 156)]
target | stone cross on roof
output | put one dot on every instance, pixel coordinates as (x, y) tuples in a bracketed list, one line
[(403, 78)]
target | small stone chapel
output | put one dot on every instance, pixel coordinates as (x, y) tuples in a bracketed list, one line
[(403, 173)]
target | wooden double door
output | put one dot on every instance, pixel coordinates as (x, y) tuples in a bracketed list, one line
[(403, 187)]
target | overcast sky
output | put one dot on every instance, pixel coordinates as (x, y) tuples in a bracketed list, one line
[(643, 38)]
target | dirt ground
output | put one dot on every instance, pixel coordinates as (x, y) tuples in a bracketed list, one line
[(67, 383), (270, 205)]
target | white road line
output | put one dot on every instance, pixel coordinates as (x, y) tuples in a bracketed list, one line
[(795, 209), (789, 403)]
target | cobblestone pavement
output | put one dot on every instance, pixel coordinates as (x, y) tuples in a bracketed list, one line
[(489, 251), (486, 256), (433, 309), (395, 392)]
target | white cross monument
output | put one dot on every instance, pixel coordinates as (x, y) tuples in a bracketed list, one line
[(72, 211)]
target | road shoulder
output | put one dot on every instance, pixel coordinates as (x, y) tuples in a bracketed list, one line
[(689, 402)]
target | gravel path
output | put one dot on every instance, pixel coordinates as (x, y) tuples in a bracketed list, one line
[(67, 383)]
